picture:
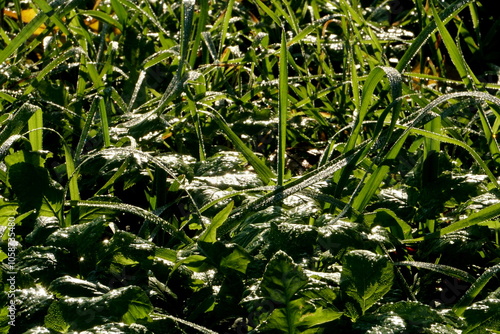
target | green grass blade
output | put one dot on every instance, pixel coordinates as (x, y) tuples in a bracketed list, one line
[(264, 172), (456, 55), (74, 192), (445, 139), (202, 21), (103, 17), (135, 210), (104, 122), (290, 188), (282, 108), (225, 25), (186, 28), (269, 12), (450, 12), (35, 124), (85, 131), (475, 289), (440, 268), (17, 122), (52, 65), (483, 215), (376, 75), (23, 36)]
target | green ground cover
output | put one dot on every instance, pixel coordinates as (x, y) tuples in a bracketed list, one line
[(251, 166)]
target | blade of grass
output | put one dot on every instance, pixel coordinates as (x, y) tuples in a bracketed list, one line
[(264, 172), (202, 21), (35, 123), (225, 25), (282, 108), (135, 210), (103, 113), (446, 15), (475, 289), (290, 188)]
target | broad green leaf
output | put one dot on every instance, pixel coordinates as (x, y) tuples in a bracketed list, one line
[(35, 190), (238, 260), (366, 288), (294, 239), (387, 218), (291, 313), (16, 124), (282, 279), (67, 286), (82, 238)]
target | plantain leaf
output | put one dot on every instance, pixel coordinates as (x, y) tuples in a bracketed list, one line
[(366, 289)]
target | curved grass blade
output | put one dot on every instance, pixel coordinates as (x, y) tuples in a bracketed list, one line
[(456, 55), (430, 29), (269, 12), (371, 83), (264, 172), (290, 188), (445, 139), (135, 210), (488, 213), (376, 178), (475, 289), (103, 17), (282, 108), (17, 122), (35, 23), (52, 65), (199, 328), (440, 268), (158, 163)]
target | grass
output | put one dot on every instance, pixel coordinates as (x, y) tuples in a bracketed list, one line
[(239, 166)]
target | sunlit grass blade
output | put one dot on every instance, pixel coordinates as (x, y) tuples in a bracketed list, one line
[(475, 289), (202, 20), (225, 25), (104, 17), (283, 108), (186, 29), (135, 210), (264, 172), (23, 36), (36, 136), (17, 122), (440, 268), (446, 15), (290, 188), (269, 12), (456, 55), (475, 218), (131, 152), (103, 113), (85, 131), (195, 116)]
